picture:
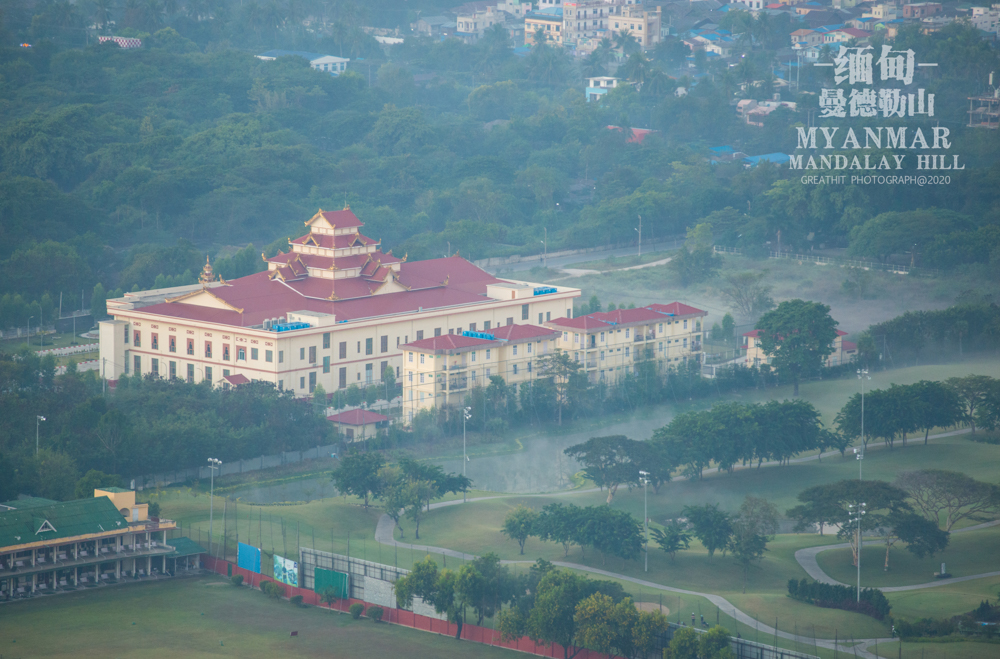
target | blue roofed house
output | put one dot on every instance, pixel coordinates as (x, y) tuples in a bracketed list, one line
[(774, 158), (329, 63)]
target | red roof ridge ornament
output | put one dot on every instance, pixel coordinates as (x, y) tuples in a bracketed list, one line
[(207, 276)]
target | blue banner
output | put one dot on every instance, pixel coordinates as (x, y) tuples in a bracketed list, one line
[(248, 558)]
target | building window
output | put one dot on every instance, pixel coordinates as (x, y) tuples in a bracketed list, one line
[(137, 360), (510, 320), (486, 326), (225, 352), (685, 324), (529, 348), (385, 343), (381, 370), (281, 356), (302, 382), (540, 321), (173, 370), (472, 375), (241, 354), (515, 369), (473, 355), (326, 341), (421, 396), (420, 335), (529, 367), (208, 349), (409, 377), (172, 344), (626, 351), (137, 339), (411, 357), (627, 332), (487, 354), (472, 327), (685, 343), (488, 373), (312, 354), (208, 373), (602, 355), (421, 378), (343, 350), (190, 346), (342, 382), (524, 312), (254, 355), (312, 382), (126, 334), (154, 341), (269, 356), (437, 331), (369, 347), (421, 358), (515, 350), (548, 315), (576, 338), (326, 364), (302, 353), (281, 385), (190, 376), (154, 366)]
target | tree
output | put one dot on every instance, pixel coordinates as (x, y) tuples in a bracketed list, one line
[(936, 405), (95, 480), (753, 525), (56, 475), (519, 524), (392, 493), (672, 538), (820, 506), (98, 303), (646, 633), (797, 336), (611, 532), (972, 391), (715, 644), (417, 492), (625, 41), (684, 644), (357, 474), (747, 294), (922, 536), (696, 261), (436, 587), (559, 523), (485, 585), (605, 626), (608, 461), (553, 616), (561, 369), (711, 526), (935, 492)]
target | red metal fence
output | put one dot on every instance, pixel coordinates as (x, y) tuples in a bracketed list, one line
[(472, 633)]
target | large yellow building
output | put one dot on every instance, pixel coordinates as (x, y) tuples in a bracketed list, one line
[(332, 311), (844, 352)]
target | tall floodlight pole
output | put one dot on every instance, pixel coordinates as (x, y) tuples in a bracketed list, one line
[(639, 256), (38, 420), (644, 476), (858, 512), (545, 249), (862, 375), (466, 415), (213, 464)]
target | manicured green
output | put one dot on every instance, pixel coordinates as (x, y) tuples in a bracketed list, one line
[(944, 601), (967, 554), (206, 617)]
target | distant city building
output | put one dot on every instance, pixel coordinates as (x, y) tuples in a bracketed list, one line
[(549, 20), (123, 42), (599, 86), (328, 63)]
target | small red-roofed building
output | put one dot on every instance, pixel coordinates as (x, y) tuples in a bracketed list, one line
[(358, 425), (844, 352), (609, 344)]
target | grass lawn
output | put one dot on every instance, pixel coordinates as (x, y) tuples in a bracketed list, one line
[(938, 650), (944, 601), (206, 617), (967, 554)]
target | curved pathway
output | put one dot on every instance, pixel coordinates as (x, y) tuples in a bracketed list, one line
[(806, 558)]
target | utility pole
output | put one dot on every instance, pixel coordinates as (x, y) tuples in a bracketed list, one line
[(466, 415), (858, 512), (545, 249), (213, 464), (38, 420), (640, 237), (862, 375), (644, 475)]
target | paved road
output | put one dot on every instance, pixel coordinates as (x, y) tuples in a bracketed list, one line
[(563, 261), (807, 559)]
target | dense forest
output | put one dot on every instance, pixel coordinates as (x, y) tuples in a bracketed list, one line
[(126, 167)]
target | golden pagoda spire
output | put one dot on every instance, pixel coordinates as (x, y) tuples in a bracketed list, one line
[(207, 276)]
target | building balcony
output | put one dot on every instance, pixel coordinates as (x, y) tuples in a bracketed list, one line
[(591, 363), (457, 367), (154, 548)]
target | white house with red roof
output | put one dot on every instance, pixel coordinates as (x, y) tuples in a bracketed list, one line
[(844, 352), (358, 425), (332, 310), (440, 370), (608, 344)]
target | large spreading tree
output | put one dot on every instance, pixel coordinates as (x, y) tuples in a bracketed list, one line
[(797, 337)]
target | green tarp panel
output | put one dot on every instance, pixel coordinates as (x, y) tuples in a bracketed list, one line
[(331, 579)]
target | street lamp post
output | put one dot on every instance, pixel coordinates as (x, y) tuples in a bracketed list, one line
[(38, 420), (862, 375), (640, 238), (545, 249), (213, 464), (644, 477), (29, 330), (858, 512), (466, 415)]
